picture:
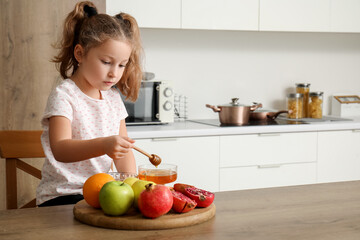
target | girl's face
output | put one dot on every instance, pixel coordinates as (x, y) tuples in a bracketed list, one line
[(102, 66)]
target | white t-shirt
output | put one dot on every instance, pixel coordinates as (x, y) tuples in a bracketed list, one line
[(90, 118)]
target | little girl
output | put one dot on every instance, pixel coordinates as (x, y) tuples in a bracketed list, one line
[(84, 120)]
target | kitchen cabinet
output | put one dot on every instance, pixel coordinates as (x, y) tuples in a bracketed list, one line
[(263, 176), (149, 13), (295, 15), (197, 158), (267, 148), (267, 160), (220, 14), (339, 156), (245, 15), (345, 15)]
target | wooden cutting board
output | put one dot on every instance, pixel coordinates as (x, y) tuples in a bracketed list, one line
[(133, 220)]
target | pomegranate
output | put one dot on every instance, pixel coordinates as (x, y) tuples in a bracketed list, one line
[(155, 200), (182, 203), (180, 187), (203, 198)]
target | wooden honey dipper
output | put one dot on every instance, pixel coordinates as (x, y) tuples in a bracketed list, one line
[(153, 158)]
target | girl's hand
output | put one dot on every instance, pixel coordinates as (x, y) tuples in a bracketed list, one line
[(117, 147)]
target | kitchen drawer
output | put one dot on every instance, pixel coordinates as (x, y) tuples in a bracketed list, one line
[(267, 176), (197, 158), (260, 149), (339, 156)]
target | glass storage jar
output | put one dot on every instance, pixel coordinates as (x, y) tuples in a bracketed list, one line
[(304, 88), (295, 105), (316, 104)]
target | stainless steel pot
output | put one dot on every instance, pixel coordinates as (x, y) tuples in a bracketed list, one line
[(234, 114)]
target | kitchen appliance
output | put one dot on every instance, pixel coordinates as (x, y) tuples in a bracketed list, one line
[(278, 121), (345, 105), (155, 104), (234, 113)]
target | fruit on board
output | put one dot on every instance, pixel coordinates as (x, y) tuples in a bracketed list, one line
[(202, 197), (92, 187), (182, 203), (155, 200), (138, 187), (130, 180), (180, 187), (116, 198)]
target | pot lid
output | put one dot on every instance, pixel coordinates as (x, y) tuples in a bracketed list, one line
[(234, 103)]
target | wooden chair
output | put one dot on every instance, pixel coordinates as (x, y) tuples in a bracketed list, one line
[(13, 146)]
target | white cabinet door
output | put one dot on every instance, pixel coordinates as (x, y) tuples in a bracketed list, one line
[(345, 15), (220, 14), (267, 149), (339, 156), (149, 13), (197, 158), (270, 176), (295, 15)]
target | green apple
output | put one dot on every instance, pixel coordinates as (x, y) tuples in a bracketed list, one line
[(138, 187), (130, 180), (116, 198)]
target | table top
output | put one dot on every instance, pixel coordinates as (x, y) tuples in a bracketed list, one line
[(319, 211)]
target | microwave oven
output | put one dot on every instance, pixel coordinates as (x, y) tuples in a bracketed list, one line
[(155, 104)]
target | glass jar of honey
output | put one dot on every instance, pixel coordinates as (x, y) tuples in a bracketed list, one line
[(316, 104), (304, 88), (295, 105)]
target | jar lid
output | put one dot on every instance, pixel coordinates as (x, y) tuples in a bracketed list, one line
[(316, 94), (295, 95), (302, 84)]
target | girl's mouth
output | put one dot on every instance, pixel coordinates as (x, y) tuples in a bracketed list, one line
[(109, 83)]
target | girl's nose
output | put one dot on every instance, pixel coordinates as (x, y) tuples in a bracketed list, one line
[(112, 73)]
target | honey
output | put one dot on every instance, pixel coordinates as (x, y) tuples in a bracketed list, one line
[(159, 176)]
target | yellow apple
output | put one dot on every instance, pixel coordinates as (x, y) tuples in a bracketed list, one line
[(130, 180), (138, 187)]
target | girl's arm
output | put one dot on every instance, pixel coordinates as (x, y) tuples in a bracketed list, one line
[(66, 149), (127, 163)]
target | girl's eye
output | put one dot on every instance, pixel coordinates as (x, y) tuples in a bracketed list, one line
[(122, 66), (105, 62)]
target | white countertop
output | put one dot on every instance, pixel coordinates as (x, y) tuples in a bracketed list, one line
[(193, 129)]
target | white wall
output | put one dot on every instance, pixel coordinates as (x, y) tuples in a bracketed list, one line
[(215, 66)]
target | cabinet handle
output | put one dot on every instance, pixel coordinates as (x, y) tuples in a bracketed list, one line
[(163, 139), (269, 134), (269, 166), (356, 130)]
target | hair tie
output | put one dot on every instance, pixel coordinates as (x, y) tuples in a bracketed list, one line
[(118, 16), (90, 11)]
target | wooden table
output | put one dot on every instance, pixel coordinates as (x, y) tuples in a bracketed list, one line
[(320, 211)]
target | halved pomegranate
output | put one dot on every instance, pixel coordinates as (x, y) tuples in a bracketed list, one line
[(182, 203), (180, 187), (203, 198)]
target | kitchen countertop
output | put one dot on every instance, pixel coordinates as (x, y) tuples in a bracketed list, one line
[(319, 211), (193, 129)]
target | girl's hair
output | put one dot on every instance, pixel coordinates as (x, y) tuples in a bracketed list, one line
[(85, 27)]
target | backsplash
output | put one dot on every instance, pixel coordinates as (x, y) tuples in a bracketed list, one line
[(215, 66)]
